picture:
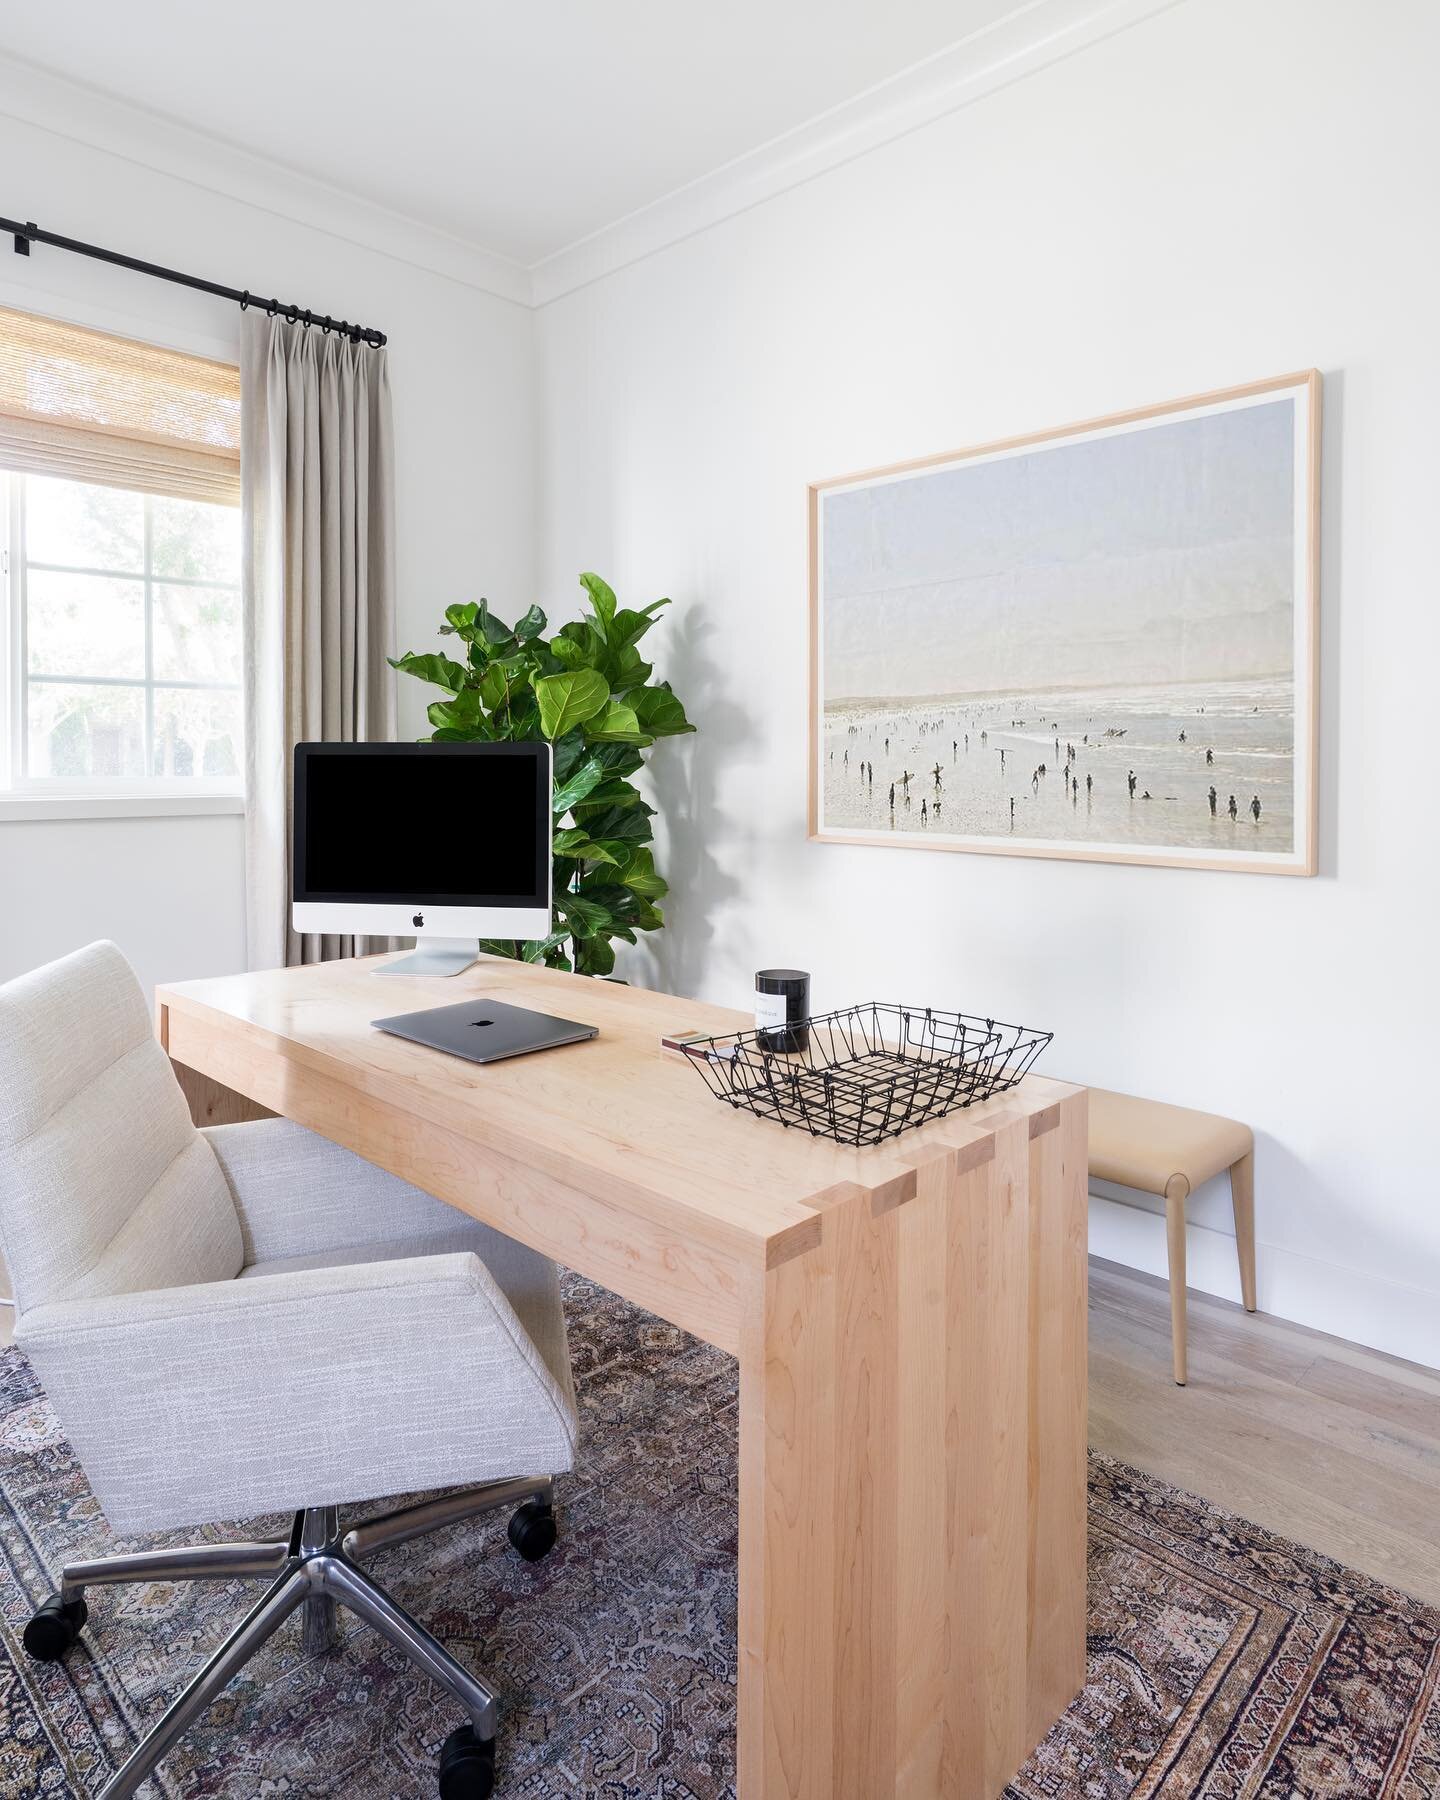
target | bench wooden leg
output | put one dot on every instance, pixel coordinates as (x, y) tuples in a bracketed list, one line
[(1176, 1191), (1242, 1196)]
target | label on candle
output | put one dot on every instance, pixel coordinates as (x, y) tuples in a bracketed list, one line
[(769, 1011)]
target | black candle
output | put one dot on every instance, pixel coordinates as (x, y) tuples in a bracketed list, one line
[(782, 1008)]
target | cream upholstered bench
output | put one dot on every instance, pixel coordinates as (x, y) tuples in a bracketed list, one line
[(1170, 1150)]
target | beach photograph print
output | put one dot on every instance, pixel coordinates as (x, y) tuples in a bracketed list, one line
[(1098, 643)]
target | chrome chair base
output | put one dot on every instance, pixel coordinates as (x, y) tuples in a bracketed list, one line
[(318, 1568)]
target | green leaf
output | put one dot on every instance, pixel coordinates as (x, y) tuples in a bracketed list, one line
[(569, 652), (568, 752), (522, 721), (628, 670), (493, 630), (576, 842), (616, 725), (602, 887), (439, 669), (538, 949), (620, 825), (628, 627), (614, 792), (638, 874), (586, 778), (570, 699), (584, 912), (494, 687), (602, 598), (620, 759), (461, 620), (595, 956), (460, 714), (531, 625), (659, 712)]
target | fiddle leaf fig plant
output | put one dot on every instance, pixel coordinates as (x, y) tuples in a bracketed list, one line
[(587, 690)]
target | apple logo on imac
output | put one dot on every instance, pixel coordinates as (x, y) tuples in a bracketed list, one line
[(419, 919)]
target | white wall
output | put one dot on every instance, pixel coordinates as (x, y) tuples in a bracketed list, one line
[(1224, 192), (171, 891)]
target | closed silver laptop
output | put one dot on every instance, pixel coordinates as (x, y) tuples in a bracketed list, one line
[(485, 1031)]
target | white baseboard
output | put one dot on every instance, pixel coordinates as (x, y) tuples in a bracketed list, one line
[(1366, 1309)]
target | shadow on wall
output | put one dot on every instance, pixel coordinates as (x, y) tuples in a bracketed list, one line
[(682, 778)]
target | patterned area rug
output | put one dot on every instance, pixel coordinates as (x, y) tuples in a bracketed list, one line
[(1224, 1662)]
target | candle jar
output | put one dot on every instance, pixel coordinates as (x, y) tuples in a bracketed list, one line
[(782, 1010)]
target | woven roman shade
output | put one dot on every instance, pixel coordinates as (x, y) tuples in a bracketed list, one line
[(92, 407)]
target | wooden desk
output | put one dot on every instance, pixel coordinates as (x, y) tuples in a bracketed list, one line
[(909, 1322)]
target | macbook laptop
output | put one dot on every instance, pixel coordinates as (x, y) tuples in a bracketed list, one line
[(485, 1031)]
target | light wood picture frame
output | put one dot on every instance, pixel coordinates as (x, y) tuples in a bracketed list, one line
[(1096, 643)]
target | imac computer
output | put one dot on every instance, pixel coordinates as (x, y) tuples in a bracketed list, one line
[(448, 843)]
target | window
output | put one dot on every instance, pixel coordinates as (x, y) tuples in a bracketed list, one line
[(120, 551), (125, 638)]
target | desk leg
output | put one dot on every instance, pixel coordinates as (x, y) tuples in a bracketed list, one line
[(912, 1477)]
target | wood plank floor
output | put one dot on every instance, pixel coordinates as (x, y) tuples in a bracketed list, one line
[(1330, 1444)]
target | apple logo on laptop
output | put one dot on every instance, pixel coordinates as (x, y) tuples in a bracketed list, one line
[(419, 919)]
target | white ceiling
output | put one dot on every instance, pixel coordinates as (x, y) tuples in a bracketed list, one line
[(520, 128)]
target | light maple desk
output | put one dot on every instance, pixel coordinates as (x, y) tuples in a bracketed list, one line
[(909, 1323)]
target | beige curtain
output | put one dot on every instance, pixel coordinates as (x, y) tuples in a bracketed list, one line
[(316, 482)]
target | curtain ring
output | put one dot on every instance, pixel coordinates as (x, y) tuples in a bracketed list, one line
[(326, 326), (292, 312), (244, 299), (272, 306)]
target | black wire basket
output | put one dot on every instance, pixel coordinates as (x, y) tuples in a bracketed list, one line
[(867, 1073)]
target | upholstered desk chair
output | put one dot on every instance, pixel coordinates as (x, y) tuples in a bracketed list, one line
[(239, 1320)]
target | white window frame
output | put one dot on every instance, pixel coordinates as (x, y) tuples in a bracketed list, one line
[(44, 797)]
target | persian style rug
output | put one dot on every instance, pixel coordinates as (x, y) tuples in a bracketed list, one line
[(1224, 1662)]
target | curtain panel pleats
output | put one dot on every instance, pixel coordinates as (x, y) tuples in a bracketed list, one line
[(319, 586)]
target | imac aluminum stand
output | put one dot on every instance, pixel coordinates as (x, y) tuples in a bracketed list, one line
[(435, 956)]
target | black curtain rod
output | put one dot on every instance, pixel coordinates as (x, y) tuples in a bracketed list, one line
[(28, 233)]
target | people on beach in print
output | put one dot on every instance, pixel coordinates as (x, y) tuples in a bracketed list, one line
[(987, 796)]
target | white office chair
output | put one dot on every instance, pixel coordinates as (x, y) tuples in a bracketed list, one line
[(232, 1319)]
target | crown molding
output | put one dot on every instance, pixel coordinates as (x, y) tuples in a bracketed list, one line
[(71, 110), (1031, 38)]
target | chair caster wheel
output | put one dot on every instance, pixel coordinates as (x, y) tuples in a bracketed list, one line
[(467, 1766), (55, 1627), (532, 1530)]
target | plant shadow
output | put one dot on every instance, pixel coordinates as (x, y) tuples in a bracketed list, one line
[(681, 775)]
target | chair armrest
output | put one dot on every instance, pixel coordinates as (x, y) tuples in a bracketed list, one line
[(309, 1388), (298, 1194)]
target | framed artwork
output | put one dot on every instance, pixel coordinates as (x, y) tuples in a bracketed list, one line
[(1097, 642)]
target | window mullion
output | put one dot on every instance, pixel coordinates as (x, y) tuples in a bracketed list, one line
[(19, 696), (150, 769)]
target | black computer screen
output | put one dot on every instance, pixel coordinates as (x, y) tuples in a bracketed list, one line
[(442, 824)]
